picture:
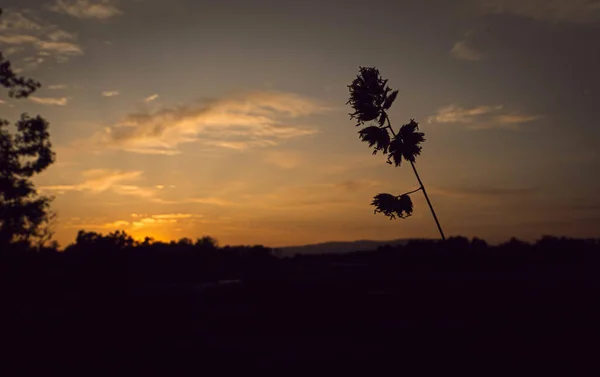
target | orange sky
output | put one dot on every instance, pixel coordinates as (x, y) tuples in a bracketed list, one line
[(194, 120)]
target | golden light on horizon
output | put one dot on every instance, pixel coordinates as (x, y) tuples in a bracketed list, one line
[(246, 137)]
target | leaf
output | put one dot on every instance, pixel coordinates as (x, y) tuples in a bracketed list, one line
[(393, 206), (395, 151), (368, 92), (406, 144), (377, 137), (405, 205), (411, 140), (390, 100)]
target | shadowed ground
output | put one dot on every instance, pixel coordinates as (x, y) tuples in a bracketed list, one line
[(311, 314)]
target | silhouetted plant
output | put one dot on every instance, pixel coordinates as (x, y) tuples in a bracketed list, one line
[(371, 98), (207, 242), (24, 214)]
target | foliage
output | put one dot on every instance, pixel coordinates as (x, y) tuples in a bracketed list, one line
[(371, 98), (24, 214), (405, 144), (393, 206)]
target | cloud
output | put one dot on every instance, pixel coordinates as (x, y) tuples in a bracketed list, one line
[(62, 101), (32, 62), (454, 114), (243, 121), (22, 30), (112, 93), (208, 200), (56, 87), (577, 11), (76, 223), (481, 117), (61, 35), (131, 190), (84, 9), (65, 48), (16, 20), (211, 200), (121, 183), (141, 221), (464, 52), (175, 216), (102, 180), (151, 98), (517, 118)]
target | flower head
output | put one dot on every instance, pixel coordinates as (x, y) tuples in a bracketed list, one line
[(393, 206), (406, 144), (370, 97)]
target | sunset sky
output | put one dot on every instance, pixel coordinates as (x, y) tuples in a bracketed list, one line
[(228, 118)]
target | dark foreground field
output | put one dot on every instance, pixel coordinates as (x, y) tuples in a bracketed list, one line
[(519, 309)]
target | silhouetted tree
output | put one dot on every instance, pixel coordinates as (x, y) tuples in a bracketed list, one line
[(92, 241), (24, 214), (185, 241), (371, 98), (207, 242)]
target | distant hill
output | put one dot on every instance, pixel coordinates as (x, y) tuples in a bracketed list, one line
[(339, 247)]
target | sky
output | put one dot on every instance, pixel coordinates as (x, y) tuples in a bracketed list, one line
[(228, 118)]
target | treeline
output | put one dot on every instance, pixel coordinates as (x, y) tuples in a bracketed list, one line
[(116, 259)]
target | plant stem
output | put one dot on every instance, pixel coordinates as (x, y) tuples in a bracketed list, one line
[(413, 191), (428, 201), (437, 222)]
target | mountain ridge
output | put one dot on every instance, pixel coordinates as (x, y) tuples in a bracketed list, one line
[(338, 247)]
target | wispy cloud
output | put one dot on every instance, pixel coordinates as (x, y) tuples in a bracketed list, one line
[(481, 117), (102, 180), (243, 121), (111, 93), (66, 48), (211, 201), (62, 101), (517, 118), (21, 30), (175, 216), (151, 98), (123, 183), (56, 87), (464, 52), (578, 11), (85, 9), (32, 62), (455, 114), (139, 221)]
